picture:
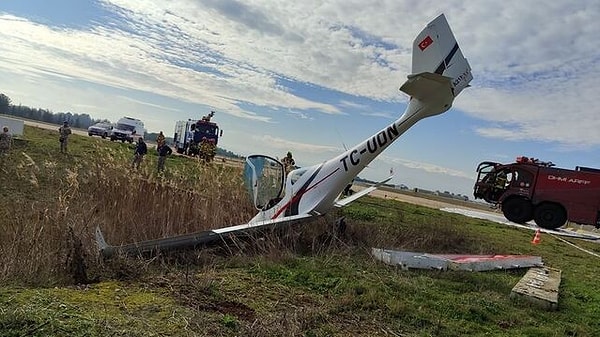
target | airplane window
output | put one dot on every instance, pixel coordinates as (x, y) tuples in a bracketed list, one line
[(523, 179)]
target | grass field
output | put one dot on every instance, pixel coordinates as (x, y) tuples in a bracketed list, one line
[(308, 280)]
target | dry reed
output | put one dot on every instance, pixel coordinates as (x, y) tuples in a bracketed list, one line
[(42, 238)]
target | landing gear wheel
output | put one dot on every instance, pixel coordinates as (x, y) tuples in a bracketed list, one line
[(550, 216), (517, 210)]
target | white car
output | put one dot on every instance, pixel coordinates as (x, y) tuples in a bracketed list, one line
[(100, 129)]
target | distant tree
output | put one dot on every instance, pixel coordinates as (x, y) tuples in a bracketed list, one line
[(4, 104), (47, 116), (84, 121)]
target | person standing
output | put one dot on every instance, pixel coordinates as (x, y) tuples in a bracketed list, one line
[(207, 148), (160, 140), (138, 155), (163, 152), (5, 141), (288, 162), (64, 132)]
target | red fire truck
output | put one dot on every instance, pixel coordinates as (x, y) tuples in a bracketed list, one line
[(530, 189)]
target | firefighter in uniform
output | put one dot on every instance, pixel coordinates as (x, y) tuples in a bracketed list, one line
[(207, 149), (212, 150), (5, 141), (501, 180), (64, 132), (500, 184), (160, 140), (192, 149), (288, 163), (163, 152), (203, 148)]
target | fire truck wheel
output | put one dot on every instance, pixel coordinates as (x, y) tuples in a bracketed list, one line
[(517, 210), (550, 216)]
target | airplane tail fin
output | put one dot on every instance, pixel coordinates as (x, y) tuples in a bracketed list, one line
[(436, 55)]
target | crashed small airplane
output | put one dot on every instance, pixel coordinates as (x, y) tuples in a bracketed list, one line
[(439, 73)]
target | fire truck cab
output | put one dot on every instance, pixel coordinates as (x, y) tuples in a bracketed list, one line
[(530, 189), (189, 135)]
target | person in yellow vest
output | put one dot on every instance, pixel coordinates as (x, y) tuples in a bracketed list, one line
[(288, 163), (160, 140), (212, 149), (207, 149), (501, 180)]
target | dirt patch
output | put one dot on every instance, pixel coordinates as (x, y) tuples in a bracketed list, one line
[(203, 298), (237, 309)]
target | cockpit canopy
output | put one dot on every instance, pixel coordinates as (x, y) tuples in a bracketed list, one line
[(264, 178)]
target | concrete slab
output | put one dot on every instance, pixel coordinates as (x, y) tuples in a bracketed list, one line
[(406, 260), (539, 286)]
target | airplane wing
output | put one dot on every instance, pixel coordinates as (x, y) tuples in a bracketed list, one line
[(186, 241), (347, 200)]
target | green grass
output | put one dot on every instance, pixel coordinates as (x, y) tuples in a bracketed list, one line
[(300, 281)]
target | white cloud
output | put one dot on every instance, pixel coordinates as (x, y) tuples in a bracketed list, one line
[(161, 107), (536, 64), (284, 144)]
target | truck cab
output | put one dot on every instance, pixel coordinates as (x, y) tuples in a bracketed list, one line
[(190, 134), (530, 189), (494, 180)]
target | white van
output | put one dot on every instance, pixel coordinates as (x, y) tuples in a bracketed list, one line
[(128, 129)]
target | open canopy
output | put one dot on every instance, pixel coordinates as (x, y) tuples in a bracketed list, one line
[(264, 178)]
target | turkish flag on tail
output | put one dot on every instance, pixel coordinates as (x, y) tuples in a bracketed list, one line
[(427, 41)]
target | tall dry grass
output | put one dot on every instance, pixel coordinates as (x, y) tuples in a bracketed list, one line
[(47, 232), (48, 224), (138, 205)]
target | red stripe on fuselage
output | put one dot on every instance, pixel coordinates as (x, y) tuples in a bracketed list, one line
[(300, 194)]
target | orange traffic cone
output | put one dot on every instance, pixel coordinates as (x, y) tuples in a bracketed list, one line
[(536, 238)]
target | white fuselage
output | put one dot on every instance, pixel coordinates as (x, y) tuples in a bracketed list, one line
[(317, 187)]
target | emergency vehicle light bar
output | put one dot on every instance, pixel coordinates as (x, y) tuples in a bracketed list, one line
[(534, 161)]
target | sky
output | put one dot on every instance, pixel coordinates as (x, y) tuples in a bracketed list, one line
[(315, 77)]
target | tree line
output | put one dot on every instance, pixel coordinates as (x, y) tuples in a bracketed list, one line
[(82, 121)]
